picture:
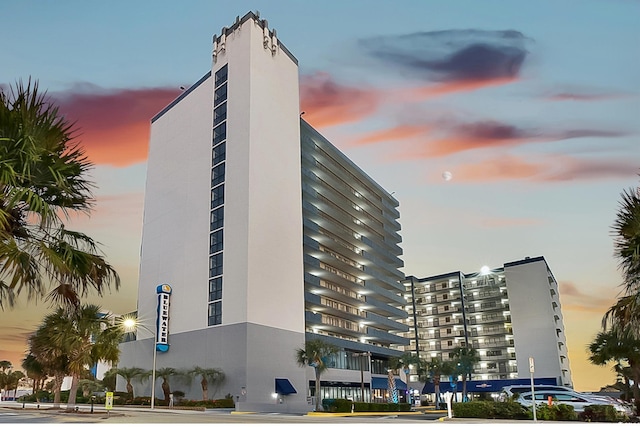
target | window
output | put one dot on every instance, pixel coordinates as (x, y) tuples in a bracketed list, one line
[(220, 94), (217, 218), (215, 313), (221, 75), (444, 286), (215, 265), (217, 196), (219, 133), (448, 330), (219, 114), (445, 296), (446, 308), (217, 175), (215, 289), (215, 242), (219, 153), (447, 319)]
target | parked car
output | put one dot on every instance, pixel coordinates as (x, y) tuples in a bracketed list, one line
[(510, 390), (575, 399)]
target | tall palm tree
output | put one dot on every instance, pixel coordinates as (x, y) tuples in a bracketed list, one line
[(396, 364), (43, 179), (130, 374), (616, 346), (75, 340), (436, 368), (464, 359), (315, 354), (209, 376)]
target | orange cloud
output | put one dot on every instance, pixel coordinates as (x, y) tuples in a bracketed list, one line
[(327, 103), (399, 132), (445, 88), (113, 125), (574, 299)]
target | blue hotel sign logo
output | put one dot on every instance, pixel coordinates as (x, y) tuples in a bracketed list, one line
[(162, 321)]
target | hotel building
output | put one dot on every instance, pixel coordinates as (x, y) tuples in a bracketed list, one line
[(508, 315), (267, 235)]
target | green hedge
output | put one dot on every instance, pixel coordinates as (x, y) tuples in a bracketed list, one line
[(490, 409)]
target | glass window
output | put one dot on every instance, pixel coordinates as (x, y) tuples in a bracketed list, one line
[(219, 134), (219, 153), (215, 265), (221, 75), (215, 289), (217, 175), (217, 218), (215, 242), (217, 196), (215, 313), (220, 114), (220, 94)]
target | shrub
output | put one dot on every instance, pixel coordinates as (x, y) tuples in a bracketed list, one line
[(561, 412), (404, 407), (600, 413), (489, 409)]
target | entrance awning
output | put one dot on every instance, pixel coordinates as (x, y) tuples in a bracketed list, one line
[(284, 386), (381, 383)]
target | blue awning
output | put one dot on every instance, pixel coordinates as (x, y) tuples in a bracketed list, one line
[(284, 386), (382, 383)]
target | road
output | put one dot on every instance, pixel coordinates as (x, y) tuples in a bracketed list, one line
[(16, 415)]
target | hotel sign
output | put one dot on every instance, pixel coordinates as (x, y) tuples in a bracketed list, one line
[(162, 321)]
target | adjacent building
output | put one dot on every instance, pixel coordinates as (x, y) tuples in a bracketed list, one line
[(507, 314), (267, 236)]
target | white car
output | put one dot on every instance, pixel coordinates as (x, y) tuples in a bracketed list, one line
[(510, 390), (578, 400)]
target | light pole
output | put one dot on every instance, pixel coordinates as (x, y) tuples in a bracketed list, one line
[(131, 324), (360, 355)]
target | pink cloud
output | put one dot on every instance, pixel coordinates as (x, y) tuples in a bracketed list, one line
[(113, 125)]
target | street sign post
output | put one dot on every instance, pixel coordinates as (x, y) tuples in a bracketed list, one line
[(532, 369)]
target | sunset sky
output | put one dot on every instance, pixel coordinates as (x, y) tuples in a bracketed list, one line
[(533, 106)]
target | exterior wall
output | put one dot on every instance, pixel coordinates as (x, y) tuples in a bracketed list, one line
[(226, 347), (175, 242), (263, 226), (539, 326)]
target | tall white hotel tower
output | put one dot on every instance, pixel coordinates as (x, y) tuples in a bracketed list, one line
[(267, 235)]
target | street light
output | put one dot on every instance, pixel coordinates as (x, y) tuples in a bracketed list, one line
[(131, 324)]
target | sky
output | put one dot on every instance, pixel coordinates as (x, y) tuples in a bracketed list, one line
[(532, 107)]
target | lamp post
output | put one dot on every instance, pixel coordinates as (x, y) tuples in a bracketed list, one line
[(131, 324), (365, 354)]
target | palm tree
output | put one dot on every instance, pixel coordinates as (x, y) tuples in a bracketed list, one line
[(209, 376), (130, 374), (404, 362), (34, 370), (625, 314), (109, 379), (75, 340), (464, 359), (12, 380), (608, 346), (43, 180), (165, 374), (5, 365), (436, 368), (314, 354)]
